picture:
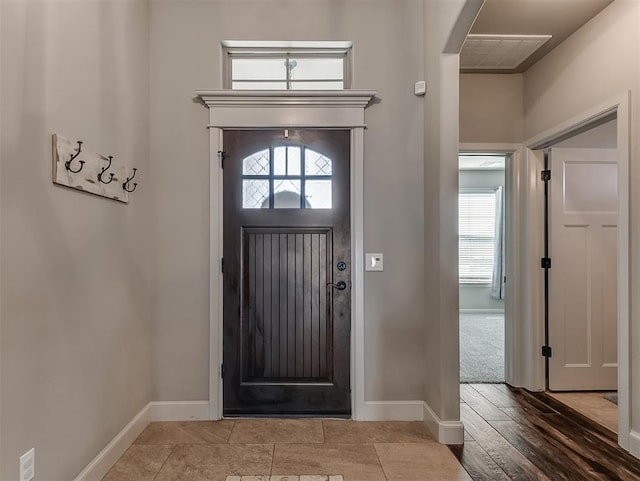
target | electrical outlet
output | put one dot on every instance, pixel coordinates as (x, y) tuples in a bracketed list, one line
[(28, 465)]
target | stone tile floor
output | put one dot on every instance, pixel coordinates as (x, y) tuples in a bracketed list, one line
[(285, 478), (286, 449)]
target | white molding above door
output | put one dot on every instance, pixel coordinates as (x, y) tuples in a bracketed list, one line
[(257, 109), (248, 109)]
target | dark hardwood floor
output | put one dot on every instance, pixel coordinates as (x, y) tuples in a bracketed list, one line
[(512, 434)]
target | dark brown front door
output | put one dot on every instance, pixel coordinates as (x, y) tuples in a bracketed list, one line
[(287, 290)]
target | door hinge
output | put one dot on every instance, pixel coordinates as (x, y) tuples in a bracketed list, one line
[(545, 263), (545, 175), (222, 154), (546, 351), (222, 371), (222, 265)]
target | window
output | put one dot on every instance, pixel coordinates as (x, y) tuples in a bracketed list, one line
[(477, 218), (287, 177), (287, 65)]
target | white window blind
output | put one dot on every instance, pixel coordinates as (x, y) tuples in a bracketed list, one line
[(477, 218)]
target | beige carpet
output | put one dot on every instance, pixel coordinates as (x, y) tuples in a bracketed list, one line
[(481, 348)]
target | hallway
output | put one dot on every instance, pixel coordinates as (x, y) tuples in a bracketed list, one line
[(517, 435)]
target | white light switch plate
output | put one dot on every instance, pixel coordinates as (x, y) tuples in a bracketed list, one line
[(374, 262)]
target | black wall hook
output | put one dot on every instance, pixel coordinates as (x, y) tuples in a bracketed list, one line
[(104, 170), (125, 184), (67, 164)]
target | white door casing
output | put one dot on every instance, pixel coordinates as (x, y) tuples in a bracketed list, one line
[(583, 274), (530, 293), (248, 109)]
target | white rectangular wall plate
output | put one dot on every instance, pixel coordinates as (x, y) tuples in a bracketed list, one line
[(374, 262), (420, 88)]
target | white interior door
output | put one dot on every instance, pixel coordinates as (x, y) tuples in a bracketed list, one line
[(582, 280)]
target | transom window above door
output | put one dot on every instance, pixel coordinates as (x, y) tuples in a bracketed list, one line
[(287, 177), (287, 65)]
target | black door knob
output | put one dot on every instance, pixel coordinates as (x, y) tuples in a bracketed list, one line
[(341, 286)]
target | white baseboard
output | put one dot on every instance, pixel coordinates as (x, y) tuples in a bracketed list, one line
[(154, 411), (481, 311), (393, 411), (445, 432), (101, 464), (179, 410), (634, 443)]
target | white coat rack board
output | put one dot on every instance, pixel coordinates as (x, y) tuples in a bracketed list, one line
[(76, 167)]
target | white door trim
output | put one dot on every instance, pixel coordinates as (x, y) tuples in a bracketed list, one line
[(253, 110), (513, 353), (620, 106)]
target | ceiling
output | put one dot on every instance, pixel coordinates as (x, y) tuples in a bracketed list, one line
[(558, 18)]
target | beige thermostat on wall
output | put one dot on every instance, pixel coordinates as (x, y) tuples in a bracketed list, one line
[(420, 88)]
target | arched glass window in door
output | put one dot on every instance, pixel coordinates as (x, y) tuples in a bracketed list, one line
[(286, 177)]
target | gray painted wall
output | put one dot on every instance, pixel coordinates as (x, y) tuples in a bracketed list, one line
[(491, 108), (582, 69), (387, 56), (441, 324), (485, 179), (75, 290), (477, 297)]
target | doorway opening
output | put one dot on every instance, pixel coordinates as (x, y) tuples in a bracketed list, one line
[(582, 322), (481, 220)]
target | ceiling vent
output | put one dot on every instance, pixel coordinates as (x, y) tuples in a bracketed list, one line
[(505, 52)]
